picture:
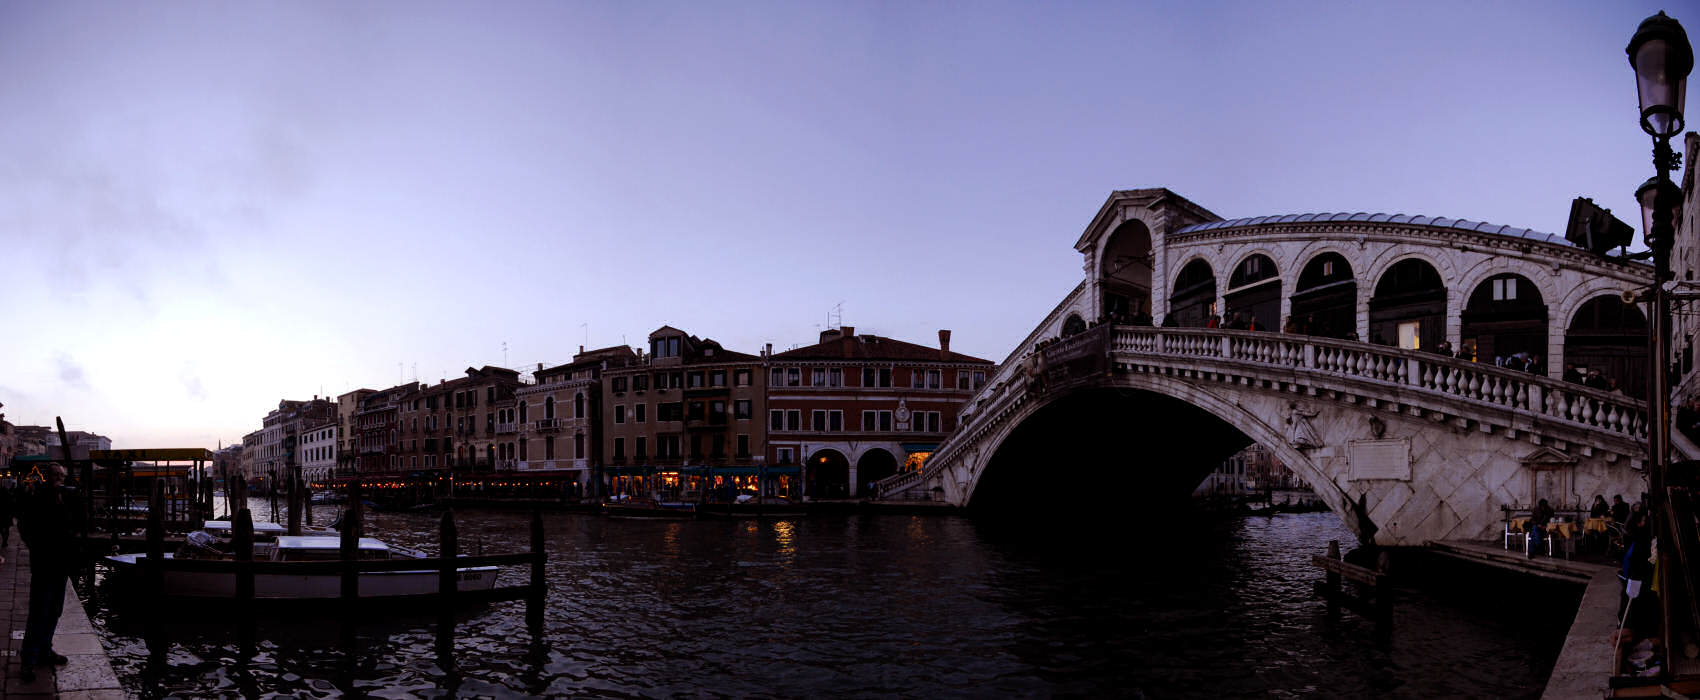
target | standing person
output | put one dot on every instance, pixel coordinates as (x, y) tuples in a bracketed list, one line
[(1538, 525), (48, 521), (1619, 510)]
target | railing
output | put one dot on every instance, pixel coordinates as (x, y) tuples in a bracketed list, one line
[(1430, 375), (505, 428), (547, 425)]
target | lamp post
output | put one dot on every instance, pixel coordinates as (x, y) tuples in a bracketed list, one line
[(1662, 58)]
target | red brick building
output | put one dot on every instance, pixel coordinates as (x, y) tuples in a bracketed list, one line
[(376, 418), (854, 409)]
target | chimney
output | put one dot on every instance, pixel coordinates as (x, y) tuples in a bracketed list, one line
[(767, 350), (944, 345), (830, 334), (848, 331), (539, 366), (581, 349)]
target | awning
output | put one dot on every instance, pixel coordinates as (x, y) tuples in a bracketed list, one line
[(913, 447), (634, 470), (792, 470)]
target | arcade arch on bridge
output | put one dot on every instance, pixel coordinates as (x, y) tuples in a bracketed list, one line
[(1125, 273), (1609, 337), (1193, 301), (1408, 309), (1325, 298), (1505, 317), (1253, 297), (875, 464)]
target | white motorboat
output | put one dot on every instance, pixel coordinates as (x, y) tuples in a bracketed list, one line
[(211, 543)]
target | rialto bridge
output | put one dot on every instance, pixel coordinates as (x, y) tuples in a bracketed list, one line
[(1122, 395)]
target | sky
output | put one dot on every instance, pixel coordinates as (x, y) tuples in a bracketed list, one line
[(206, 207)]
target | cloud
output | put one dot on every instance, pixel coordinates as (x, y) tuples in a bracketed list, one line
[(70, 373)]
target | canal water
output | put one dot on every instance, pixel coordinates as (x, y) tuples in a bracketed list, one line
[(893, 605)]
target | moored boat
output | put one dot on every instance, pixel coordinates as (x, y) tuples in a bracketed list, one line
[(272, 546)]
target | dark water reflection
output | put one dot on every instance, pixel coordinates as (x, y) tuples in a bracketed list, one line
[(882, 605)]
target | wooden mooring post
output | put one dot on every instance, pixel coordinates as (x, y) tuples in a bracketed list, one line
[(243, 531), (1377, 604), (155, 617), (447, 585), (535, 597), (350, 552)]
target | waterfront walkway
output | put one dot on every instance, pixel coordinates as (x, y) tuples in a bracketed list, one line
[(88, 675)]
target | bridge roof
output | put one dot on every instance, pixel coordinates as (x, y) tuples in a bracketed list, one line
[(1419, 220)]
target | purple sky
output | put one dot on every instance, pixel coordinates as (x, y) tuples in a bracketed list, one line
[(206, 207)]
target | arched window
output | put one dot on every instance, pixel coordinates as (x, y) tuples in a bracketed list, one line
[(522, 412), (578, 446), (549, 408), (578, 406), (1073, 325)]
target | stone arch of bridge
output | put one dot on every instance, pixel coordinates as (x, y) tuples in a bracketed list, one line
[(1331, 310), (1125, 270), (1223, 407), (1268, 306), (1539, 275), (1188, 313)]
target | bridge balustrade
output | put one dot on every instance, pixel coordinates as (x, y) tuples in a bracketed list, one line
[(1430, 373), (1492, 388)]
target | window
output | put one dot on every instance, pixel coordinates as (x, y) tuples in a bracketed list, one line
[(578, 405), (619, 414), (670, 411), (639, 410), (935, 379), (793, 376), (549, 448), (1505, 289), (835, 376), (522, 413), (741, 409), (777, 378), (640, 382), (522, 445), (696, 380), (696, 446), (619, 448), (817, 377), (578, 446), (641, 447), (969, 381), (794, 419), (885, 420), (776, 419), (719, 446), (549, 408), (786, 455), (661, 381), (717, 411), (741, 377), (619, 385), (717, 378), (694, 411), (918, 379), (870, 419), (1327, 268), (676, 379), (743, 445), (817, 420), (876, 377)]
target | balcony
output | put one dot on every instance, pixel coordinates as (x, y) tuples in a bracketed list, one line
[(548, 425), (506, 428)]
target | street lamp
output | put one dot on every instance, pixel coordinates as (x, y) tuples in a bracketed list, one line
[(1662, 58)]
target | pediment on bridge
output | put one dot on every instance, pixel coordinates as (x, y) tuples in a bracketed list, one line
[(1546, 458)]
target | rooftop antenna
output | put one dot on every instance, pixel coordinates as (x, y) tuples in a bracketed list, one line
[(835, 317), (415, 371), (586, 327), (504, 353)]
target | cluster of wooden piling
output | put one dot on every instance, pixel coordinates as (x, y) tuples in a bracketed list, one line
[(1376, 599), (349, 567)]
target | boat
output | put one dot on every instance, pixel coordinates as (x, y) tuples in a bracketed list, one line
[(650, 510), (270, 545)]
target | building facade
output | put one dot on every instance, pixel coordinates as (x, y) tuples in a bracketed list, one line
[(317, 451), (376, 417), (854, 409), (348, 437), (556, 424), (687, 406), (281, 434)]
